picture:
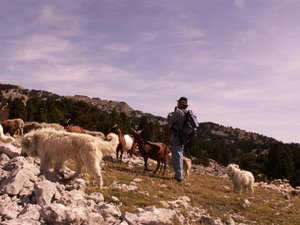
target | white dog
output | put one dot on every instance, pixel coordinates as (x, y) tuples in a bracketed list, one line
[(187, 164), (4, 138), (242, 180), (49, 144)]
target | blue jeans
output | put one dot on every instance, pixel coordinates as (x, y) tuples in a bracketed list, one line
[(177, 156)]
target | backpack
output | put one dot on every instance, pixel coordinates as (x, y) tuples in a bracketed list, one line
[(189, 128)]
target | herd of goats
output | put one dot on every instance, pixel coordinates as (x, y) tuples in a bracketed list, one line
[(54, 142)]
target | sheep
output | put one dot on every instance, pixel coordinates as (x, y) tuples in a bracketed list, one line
[(126, 143), (49, 145), (153, 150), (187, 164), (13, 126), (4, 138), (35, 125)]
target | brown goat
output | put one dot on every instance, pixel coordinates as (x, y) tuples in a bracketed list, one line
[(153, 150), (80, 130), (75, 129), (126, 143), (13, 126)]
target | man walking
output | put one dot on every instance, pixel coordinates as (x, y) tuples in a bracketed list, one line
[(177, 119)]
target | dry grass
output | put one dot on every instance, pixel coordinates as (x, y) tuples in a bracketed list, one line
[(208, 192)]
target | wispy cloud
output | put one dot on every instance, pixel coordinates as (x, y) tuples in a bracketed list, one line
[(239, 3), (186, 32), (112, 73), (54, 20), (48, 15), (117, 47), (41, 47), (148, 36)]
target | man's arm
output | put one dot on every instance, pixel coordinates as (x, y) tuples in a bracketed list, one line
[(173, 117)]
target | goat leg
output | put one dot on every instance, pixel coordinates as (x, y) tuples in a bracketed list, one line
[(157, 167), (145, 164), (117, 153), (121, 156), (160, 169), (165, 166)]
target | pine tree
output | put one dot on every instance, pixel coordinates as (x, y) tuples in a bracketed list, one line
[(16, 109)]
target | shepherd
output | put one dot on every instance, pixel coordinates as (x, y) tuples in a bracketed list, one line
[(178, 120)]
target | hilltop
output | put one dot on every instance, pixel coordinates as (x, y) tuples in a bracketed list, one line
[(9, 91), (208, 129)]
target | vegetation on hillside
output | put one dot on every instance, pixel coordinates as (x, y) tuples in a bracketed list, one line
[(257, 153)]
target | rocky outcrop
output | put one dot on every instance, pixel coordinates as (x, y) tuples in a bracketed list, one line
[(29, 198), (109, 106), (104, 105), (26, 197), (282, 186)]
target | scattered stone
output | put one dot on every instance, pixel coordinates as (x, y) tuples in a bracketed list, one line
[(124, 187), (137, 180), (45, 192), (22, 177), (30, 211), (96, 197), (3, 159), (10, 150), (151, 215), (246, 203), (114, 200), (26, 197)]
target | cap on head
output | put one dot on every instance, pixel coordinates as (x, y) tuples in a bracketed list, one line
[(183, 101)]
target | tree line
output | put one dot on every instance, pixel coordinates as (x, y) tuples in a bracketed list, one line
[(274, 159)]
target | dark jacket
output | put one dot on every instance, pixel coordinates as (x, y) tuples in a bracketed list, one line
[(177, 120)]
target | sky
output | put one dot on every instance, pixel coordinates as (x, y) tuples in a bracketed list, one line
[(237, 61)]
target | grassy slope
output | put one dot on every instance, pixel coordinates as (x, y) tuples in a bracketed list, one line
[(206, 192)]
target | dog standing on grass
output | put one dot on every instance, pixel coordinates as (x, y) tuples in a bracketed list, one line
[(187, 164), (242, 180)]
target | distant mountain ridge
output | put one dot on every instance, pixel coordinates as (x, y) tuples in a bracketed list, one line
[(104, 105), (13, 91), (209, 131)]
